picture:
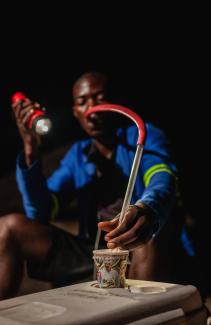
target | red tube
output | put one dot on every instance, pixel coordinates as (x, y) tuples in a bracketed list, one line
[(125, 111)]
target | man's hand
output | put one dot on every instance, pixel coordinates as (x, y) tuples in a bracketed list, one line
[(137, 228), (22, 113)]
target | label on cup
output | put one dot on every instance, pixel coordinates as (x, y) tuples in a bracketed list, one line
[(111, 266)]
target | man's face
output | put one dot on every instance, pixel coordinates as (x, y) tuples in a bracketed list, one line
[(86, 94)]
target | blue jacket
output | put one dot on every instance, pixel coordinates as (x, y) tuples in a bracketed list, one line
[(155, 184)]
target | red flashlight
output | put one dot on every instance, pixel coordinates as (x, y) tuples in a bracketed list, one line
[(38, 121)]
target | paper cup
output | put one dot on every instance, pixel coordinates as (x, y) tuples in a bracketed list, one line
[(111, 266)]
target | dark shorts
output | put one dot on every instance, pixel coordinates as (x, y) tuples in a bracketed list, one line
[(69, 260)]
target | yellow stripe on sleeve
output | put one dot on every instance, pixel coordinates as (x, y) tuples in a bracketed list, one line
[(154, 170), (55, 208)]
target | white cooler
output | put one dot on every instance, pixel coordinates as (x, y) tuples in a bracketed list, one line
[(144, 303)]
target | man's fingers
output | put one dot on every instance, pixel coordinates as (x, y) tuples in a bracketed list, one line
[(121, 238), (108, 225), (37, 105), (105, 226), (26, 110), (27, 116), (27, 102), (123, 228), (16, 110)]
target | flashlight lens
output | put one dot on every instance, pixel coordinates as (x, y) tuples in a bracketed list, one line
[(43, 126)]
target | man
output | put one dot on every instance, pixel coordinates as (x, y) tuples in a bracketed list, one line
[(95, 170)]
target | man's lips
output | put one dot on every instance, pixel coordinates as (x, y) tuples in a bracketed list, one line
[(90, 124), (94, 126)]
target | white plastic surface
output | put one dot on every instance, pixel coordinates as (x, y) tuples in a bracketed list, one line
[(85, 303)]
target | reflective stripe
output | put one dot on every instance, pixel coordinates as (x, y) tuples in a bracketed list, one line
[(55, 208), (154, 170)]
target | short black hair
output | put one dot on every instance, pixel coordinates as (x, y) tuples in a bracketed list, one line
[(94, 75)]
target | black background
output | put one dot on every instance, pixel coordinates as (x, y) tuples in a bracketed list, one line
[(157, 64)]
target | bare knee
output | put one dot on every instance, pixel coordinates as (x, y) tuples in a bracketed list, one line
[(32, 238), (13, 221), (6, 237), (10, 225)]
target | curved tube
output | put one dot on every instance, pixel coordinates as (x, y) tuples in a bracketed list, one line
[(125, 111), (140, 142)]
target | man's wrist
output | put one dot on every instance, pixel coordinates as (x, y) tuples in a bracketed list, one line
[(31, 155), (151, 218)]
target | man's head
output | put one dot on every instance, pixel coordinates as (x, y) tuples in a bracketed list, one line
[(90, 90)]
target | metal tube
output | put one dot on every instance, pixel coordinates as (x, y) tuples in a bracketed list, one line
[(131, 182)]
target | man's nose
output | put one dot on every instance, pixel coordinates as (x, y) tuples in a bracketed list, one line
[(91, 102)]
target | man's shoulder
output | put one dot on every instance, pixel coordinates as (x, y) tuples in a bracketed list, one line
[(154, 136), (131, 131), (150, 127), (155, 133)]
